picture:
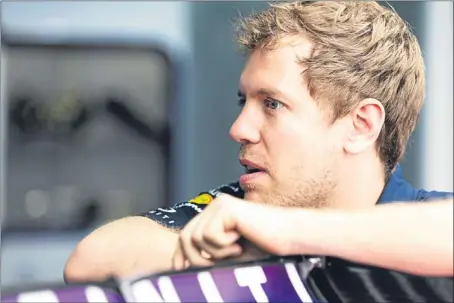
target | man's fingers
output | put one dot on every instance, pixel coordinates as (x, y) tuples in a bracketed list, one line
[(217, 245), (211, 236), (193, 253), (215, 232), (178, 260), (212, 232), (222, 253), (220, 239)]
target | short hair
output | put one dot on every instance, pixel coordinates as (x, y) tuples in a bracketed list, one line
[(361, 50)]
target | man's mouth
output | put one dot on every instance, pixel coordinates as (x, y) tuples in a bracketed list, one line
[(251, 167), (252, 171)]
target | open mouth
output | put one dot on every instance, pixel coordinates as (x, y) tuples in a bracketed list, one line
[(252, 170)]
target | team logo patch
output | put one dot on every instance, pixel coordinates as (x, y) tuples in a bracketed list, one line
[(202, 199)]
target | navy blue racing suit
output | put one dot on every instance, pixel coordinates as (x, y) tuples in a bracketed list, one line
[(177, 216)]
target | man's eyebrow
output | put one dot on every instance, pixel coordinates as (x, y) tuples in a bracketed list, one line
[(263, 92), (269, 92)]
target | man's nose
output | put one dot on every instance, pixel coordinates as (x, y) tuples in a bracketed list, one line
[(245, 129)]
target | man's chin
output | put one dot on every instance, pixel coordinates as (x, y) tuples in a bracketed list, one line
[(255, 192), (253, 196)]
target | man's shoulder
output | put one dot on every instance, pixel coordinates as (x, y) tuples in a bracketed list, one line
[(177, 216), (426, 195), (410, 194), (397, 189)]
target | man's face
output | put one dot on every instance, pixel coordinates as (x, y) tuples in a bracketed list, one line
[(284, 133)]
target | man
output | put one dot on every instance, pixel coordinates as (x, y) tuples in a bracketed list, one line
[(330, 93)]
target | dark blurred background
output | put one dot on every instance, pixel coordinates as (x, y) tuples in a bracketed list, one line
[(109, 109)]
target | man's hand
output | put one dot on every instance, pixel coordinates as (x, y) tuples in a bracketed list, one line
[(213, 235)]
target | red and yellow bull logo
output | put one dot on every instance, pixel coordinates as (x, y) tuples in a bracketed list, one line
[(202, 199)]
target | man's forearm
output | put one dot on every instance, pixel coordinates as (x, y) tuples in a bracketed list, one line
[(415, 238), (129, 246)]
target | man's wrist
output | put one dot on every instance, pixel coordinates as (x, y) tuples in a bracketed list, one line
[(318, 232)]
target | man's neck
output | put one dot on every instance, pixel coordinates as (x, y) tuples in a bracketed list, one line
[(362, 188)]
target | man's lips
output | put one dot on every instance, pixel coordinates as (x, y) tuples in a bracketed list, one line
[(253, 171), (251, 167), (251, 177)]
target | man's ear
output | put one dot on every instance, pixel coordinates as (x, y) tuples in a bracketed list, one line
[(367, 120)]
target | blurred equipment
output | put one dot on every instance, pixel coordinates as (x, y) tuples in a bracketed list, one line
[(62, 117), (24, 114), (120, 110), (68, 114), (88, 142), (87, 116)]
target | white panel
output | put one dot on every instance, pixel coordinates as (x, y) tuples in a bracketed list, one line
[(437, 131)]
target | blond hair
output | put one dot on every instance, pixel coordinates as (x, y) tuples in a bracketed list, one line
[(361, 50)]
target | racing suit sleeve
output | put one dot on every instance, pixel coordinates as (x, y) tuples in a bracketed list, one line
[(177, 216)]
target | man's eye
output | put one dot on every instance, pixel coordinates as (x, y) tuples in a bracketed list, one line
[(273, 104), (241, 102)]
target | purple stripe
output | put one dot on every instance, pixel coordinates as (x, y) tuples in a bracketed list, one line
[(73, 294), (228, 287), (113, 296), (278, 287), (186, 286), (9, 299)]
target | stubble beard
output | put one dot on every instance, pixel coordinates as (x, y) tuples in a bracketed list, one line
[(298, 189), (313, 193)]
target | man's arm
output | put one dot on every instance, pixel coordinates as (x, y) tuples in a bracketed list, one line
[(136, 245), (416, 238), (129, 246), (412, 237)]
